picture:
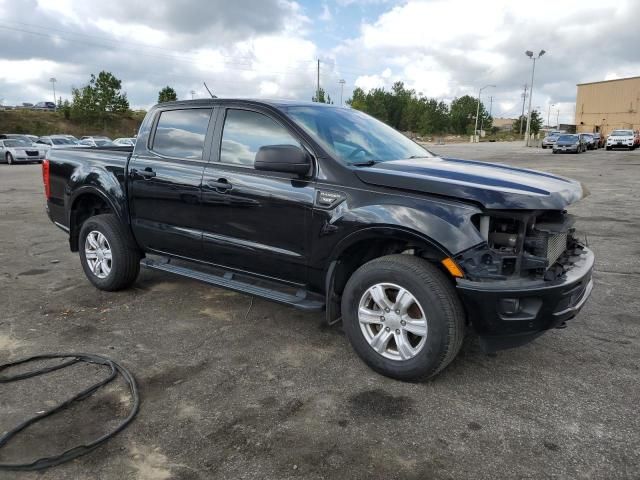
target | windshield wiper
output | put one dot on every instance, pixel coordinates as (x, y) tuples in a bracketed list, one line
[(368, 163), (418, 156)]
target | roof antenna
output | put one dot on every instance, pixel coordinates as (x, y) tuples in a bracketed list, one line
[(205, 86)]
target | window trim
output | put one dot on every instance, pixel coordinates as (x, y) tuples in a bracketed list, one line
[(152, 136), (219, 134)]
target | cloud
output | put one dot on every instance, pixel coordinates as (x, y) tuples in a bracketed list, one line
[(443, 49)]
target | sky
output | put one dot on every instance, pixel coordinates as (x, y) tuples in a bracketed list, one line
[(269, 48)]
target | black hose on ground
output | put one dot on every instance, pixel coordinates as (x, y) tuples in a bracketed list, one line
[(79, 450)]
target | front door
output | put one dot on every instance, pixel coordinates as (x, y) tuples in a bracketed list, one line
[(164, 183), (255, 221)]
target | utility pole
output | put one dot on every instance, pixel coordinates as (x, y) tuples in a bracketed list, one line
[(549, 113), (529, 54), (558, 119), (318, 83), (341, 82), (524, 98), (193, 92), (475, 131), (53, 84), (490, 107)]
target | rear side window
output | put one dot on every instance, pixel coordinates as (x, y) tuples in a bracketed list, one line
[(181, 133), (245, 132)]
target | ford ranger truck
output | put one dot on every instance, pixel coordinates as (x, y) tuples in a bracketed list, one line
[(325, 208)]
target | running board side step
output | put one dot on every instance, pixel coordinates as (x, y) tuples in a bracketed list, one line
[(302, 299)]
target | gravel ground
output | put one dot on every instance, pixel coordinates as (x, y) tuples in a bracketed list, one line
[(235, 388)]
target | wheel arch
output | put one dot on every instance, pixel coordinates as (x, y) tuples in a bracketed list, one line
[(367, 244), (86, 202)]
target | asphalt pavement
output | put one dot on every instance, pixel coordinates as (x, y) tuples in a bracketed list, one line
[(238, 388)]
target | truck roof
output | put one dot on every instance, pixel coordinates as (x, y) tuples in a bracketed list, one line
[(250, 101)]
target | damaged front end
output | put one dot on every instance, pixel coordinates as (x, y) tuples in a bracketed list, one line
[(530, 274)]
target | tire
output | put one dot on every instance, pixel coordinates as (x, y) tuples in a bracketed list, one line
[(543, 147), (10, 160), (124, 265), (432, 306), (608, 148)]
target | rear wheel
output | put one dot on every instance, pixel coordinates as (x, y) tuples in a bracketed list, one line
[(109, 257), (403, 317)]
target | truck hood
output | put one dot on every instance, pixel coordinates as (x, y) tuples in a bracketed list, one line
[(494, 186)]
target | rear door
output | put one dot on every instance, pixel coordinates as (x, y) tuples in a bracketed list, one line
[(254, 220), (165, 179)]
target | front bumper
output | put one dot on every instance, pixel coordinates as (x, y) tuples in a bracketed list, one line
[(511, 313), (565, 148)]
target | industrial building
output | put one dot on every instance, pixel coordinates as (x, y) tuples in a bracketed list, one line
[(607, 105)]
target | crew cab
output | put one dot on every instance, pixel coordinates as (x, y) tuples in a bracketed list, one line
[(325, 208)]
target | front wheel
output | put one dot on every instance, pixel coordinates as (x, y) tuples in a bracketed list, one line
[(403, 317), (10, 160), (109, 257)]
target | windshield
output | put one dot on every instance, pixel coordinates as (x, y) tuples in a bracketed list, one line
[(355, 137), (103, 143), (568, 138), (622, 133), (61, 141), (17, 143)]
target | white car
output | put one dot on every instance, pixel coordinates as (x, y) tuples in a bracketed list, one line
[(54, 141), (125, 142), (14, 150), (95, 142), (621, 139)]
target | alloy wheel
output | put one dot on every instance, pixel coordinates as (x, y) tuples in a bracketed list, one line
[(97, 253), (392, 321)]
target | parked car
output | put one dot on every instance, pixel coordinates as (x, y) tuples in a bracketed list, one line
[(570, 143), (19, 136), (68, 137), (44, 106), (95, 142), (95, 137), (637, 138), (125, 142), (589, 140), (550, 140), (599, 139), (326, 208), (621, 139), (14, 150), (53, 141)]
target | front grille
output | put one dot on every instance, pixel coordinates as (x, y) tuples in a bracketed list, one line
[(32, 153)]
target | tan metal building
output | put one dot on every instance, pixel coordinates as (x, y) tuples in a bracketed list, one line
[(607, 105)]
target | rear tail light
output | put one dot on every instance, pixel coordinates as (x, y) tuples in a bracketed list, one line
[(45, 178)]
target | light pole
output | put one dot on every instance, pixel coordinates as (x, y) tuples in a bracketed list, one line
[(53, 84), (529, 54), (549, 113), (475, 131), (341, 82), (192, 92)]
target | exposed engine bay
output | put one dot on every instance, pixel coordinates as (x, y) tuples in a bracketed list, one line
[(534, 244)]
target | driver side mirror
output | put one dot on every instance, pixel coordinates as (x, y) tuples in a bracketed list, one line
[(283, 158)]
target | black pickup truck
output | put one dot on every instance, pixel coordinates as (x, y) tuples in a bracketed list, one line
[(325, 208)]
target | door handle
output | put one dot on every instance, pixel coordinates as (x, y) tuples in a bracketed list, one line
[(147, 173), (221, 185)]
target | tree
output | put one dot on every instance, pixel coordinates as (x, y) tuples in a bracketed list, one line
[(319, 97), (101, 96), (536, 122), (463, 115), (167, 94)]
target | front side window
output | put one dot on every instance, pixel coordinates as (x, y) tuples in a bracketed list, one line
[(245, 132), (181, 133), (354, 137)]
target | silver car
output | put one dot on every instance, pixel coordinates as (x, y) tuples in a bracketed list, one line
[(14, 150), (125, 142)]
